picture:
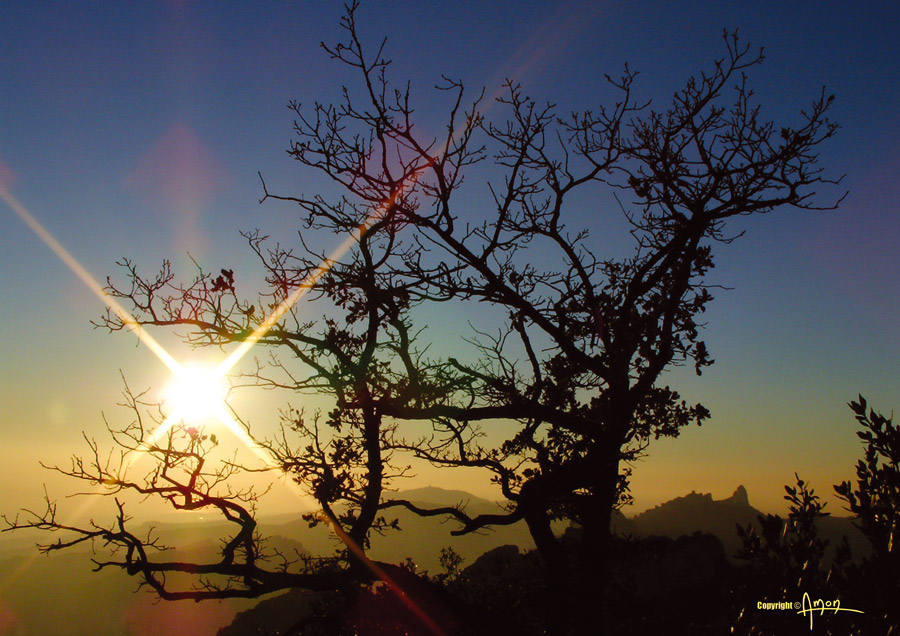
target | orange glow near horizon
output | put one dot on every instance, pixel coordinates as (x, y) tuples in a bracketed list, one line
[(198, 392), (186, 407), (193, 393), (191, 379)]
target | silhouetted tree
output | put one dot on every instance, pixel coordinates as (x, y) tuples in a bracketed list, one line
[(579, 340), (787, 557), (875, 502), (786, 560)]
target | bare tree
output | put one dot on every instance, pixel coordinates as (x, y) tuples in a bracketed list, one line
[(579, 340), (584, 339), (181, 476)]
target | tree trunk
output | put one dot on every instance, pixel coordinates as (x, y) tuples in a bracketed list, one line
[(592, 562), (577, 572)]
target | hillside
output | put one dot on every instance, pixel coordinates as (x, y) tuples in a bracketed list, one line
[(696, 512), (699, 513), (68, 578), (421, 538)]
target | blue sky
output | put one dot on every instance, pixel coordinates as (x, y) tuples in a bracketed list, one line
[(137, 129)]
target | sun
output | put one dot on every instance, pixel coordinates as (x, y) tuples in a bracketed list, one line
[(195, 392)]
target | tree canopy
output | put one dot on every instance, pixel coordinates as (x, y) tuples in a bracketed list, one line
[(580, 338)]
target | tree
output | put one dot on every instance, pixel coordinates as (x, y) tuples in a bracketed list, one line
[(786, 560), (875, 502), (787, 556), (579, 340)]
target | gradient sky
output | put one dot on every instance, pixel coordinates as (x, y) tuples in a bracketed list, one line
[(137, 129)]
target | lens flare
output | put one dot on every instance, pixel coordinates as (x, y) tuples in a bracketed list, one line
[(197, 392)]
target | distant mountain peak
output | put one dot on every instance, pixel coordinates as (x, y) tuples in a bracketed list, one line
[(696, 503), (740, 497)]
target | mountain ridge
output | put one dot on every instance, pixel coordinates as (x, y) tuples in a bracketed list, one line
[(422, 540)]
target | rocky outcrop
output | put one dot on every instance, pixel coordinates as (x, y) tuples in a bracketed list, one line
[(698, 512)]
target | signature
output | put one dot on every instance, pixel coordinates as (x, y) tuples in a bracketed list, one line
[(810, 607)]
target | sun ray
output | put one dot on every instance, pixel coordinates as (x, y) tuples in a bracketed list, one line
[(232, 359), (16, 573), (346, 245), (382, 575), (148, 443), (243, 348), (242, 435), (88, 280)]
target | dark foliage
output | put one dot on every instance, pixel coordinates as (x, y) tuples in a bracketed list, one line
[(787, 556), (875, 502)]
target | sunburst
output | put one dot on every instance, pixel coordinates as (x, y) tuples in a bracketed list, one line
[(195, 392), (198, 392)]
